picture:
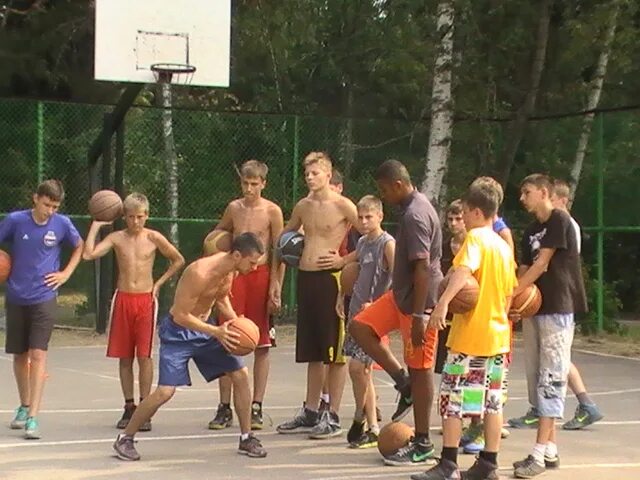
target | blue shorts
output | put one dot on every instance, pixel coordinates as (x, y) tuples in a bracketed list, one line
[(178, 345)]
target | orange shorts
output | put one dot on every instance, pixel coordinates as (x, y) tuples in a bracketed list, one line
[(384, 316), (133, 316), (249, 296)]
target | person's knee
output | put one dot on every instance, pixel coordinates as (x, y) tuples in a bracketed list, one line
[(37, 356), (261, 353), (164, 393), (144, 361), (126, 363), (239, 377), (358, 369), (360, 331)]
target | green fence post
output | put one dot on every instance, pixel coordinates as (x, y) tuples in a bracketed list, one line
[(600, 220), (40, 141), (294, 198)]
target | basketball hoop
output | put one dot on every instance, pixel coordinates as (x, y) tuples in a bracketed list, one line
[(164, 72)]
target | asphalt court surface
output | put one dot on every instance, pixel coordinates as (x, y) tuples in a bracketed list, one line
[(83, 402)]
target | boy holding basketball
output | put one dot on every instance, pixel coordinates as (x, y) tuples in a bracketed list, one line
[(551, 260), (189, 332), (134, 305), (256, 294), (474, 375), (416, 276), (36, 237), (326, 217), (374, 253)]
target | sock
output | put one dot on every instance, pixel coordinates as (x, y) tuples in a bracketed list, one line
[(226, 406), (491, 457), (584, 399), (324, 397), (124, 435), (422, 437), (257, 403), (244, 436), (551, 450), (24, 406), (538, 453), (128, 403), (375, 429), (450, 453)]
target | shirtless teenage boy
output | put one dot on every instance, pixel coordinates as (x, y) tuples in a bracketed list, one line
[(257, 294), (134, 306), (188, 332), (326, 217)]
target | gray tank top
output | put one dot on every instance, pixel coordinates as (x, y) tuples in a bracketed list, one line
[(374, 278)]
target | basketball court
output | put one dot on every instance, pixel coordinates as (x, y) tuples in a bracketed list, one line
[(82, 402)]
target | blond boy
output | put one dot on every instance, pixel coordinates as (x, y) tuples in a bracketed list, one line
[(134, 305)]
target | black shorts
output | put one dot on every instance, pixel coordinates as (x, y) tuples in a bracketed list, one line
[(29, 326), (320, 331), (441, 354)]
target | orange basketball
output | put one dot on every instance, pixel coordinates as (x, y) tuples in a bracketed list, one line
[(105, 206), (5, 266), (466, 299), (393, 437), (217, 241), (249, 335), (348, 277), (528, 302)]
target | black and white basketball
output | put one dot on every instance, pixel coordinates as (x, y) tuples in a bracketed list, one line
[(290, 248)]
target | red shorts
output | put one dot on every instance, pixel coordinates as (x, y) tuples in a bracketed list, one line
[(133, 316), (249, 297), (384, 316)]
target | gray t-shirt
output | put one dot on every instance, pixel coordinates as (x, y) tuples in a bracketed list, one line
[(418, 237), (373, 278)]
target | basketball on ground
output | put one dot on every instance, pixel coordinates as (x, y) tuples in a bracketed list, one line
[(466, 299), (105, 206), (393, 437), (249, 335), (5, 266), (348, 277), (217, 241), (528, 302), (290, 247)]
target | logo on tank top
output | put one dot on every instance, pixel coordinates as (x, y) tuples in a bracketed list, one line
[(50, 239)]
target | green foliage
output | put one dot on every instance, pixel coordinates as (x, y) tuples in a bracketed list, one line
[(612, 306)]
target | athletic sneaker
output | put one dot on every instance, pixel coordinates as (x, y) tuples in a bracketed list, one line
[(31, 429), (415, 453), (367, 440), (125, 449), (146, 426), (257, 421), (549, 462), (20, 419), (470, 433), (481, 470), (126, 416), (405, 402), (324, 406), (251, 447), (327, 427), (355, 431), (223, 418), (504, 433), (475, 446), (528, 468), (585, 415), (444, 470), (302, 422), (529, 420)]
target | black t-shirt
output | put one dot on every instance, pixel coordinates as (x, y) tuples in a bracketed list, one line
[(562, 285), (447, 254)]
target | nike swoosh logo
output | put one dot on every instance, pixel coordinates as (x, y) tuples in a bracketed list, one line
[(419, 457), (531, 421), (582, 419)]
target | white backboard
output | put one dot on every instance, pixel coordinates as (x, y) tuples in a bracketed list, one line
[(131, 35)]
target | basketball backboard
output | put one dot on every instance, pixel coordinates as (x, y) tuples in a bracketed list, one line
[(132, 35)]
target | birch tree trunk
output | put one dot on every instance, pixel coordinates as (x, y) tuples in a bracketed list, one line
[(593, 99), (171, 161), (441, 106), (516, 129)]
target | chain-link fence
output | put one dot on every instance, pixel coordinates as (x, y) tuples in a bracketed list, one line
[(50, 140)]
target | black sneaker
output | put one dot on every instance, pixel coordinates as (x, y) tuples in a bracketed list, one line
[(327, 427), (223, 418), (125, 449), (444, 470), (251, 447), (405, 402), (481, 470), (126, 416), (367, 440), (417, 452), (324, 406), (257, 421), (549, 462), (303, 422), (528, 468), (355, 431)]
